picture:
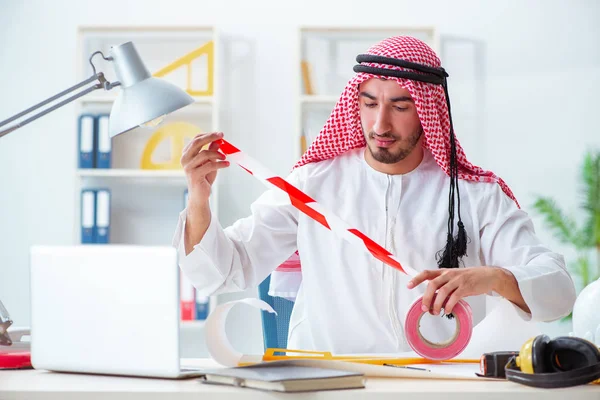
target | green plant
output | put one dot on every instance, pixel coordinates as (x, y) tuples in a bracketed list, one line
[(585, 238)]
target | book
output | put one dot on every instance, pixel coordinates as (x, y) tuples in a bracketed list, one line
[(281, 376)]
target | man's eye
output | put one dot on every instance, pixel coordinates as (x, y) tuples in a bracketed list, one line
[(370, 105), (401, 108)]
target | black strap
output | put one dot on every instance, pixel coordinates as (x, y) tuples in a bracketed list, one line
[(399, 74), (428, 74), (575, 377), (371, 58)]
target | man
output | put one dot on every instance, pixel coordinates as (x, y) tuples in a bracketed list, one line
[(387, 163)]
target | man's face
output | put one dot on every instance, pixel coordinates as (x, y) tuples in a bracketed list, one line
[(389, 120)]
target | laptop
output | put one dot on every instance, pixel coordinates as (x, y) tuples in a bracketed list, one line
[(106, 309)]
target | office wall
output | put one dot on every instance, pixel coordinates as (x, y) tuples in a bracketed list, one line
[(542, 73)]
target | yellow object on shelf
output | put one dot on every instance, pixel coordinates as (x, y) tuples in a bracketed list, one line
[(176, 132), (306, 78), (303, 147), (186, 60)]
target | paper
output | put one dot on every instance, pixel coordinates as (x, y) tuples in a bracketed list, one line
[(218, 346)]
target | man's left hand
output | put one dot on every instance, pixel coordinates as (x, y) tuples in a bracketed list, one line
[(452, 285)]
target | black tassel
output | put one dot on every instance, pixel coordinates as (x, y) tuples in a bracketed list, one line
[(447, 257), (456, 247), (461, 240)]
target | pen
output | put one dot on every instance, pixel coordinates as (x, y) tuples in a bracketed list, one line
[(407, 367)]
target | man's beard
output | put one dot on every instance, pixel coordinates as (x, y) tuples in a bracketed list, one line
[(386, 156)]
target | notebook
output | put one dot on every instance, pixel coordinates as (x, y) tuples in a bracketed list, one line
[(284, 377)]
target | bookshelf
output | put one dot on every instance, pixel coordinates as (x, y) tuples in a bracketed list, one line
[(128, 173), (145, 180), (325, 57)]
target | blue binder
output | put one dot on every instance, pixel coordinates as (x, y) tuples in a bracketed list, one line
[(88, 216), (87, 140), (102, 216), (103, 142), (202, 305)]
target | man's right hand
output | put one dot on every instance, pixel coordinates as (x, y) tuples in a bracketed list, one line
[(200, 167)]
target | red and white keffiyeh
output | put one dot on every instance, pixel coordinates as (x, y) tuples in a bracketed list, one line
[(343, 131)]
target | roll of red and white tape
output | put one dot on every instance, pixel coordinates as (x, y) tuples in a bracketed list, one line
[(439, 351)]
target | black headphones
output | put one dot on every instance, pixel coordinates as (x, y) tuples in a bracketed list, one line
[(561, 362)]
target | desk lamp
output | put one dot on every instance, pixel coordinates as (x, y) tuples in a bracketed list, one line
[(142, 101)]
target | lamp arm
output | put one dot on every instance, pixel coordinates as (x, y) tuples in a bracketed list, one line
[(102, 84)]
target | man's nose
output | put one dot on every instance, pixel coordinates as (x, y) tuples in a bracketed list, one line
[(382, 123)]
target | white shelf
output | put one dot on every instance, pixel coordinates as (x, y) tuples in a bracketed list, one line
[(358, 30), (319, 99), (129, 173), (198, 324), (105, 99)]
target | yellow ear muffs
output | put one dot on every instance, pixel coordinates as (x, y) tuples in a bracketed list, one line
[(561, 362)]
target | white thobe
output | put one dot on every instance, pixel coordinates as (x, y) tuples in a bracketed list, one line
[(348, 301)]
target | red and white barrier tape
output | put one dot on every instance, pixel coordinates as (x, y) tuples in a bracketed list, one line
[(310, 207)]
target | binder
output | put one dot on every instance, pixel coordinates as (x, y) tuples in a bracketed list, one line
[(103, 142), (87, 140), (202, 303), (88, 216), (187, 298), (200, 311), (102, 216)]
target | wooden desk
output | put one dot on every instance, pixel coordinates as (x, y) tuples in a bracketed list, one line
[(38, 384)]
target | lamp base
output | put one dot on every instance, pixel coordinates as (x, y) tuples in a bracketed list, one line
[(18, 344)]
